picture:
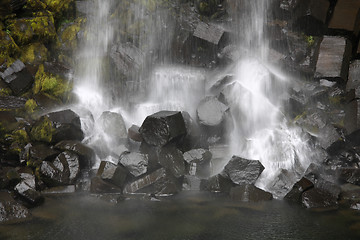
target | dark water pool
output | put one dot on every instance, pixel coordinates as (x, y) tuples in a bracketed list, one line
[(184, 218)]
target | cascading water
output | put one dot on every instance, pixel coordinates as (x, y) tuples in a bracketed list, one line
[(255, 96), (99, 35)]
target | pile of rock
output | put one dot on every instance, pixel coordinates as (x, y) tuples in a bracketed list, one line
[(162, 168)]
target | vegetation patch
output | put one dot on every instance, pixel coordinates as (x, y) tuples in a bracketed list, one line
[(34, 54), (26, 30), (50, 83), (42, 130)]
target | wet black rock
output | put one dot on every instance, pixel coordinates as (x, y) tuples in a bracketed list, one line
[(349, 175), (350, 192), (115, 174), (249, 193), (135, 163), (172, 159), (113, 125), (153, 155), (26, 189), (41, 152), (320, 172), (299, 187), (12, 102), (100, 186), (192, 138), (50, 174), (311, 15), (63, 170), (9, 6), (12, 211), (57, 126), (352, 117), (217, 183), (134, 133), (199, 161), (162, 128), (332, 188), (243, 171), (67, 125), (18, 77), (343, 155), (317, 198), (69, 165), (158, 182), (86, 154)]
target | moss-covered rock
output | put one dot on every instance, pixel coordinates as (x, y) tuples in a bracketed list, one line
[(58, 6), (4, 89), (51, 84), (68, 35), (42, 130), (16, 140), (35, 5), (34, 54), (207, 7), (26, 30), (30, 106), (8, 47)]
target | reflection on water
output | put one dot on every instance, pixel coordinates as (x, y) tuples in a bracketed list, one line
[(183, 218)]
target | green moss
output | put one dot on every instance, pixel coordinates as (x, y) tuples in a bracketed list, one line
[(21, 136), (207, 7), (58, 6), (68, 35), (35, 5), (8, 47), (30, 106), (4, 89), (42, 130), (34, 54), (25, 30), (310, 40), (204, 7), (51, 84)]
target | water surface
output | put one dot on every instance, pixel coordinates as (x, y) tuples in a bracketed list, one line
[(187, 217)]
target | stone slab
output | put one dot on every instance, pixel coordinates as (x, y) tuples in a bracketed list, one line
[(334, 58), (209, 32)]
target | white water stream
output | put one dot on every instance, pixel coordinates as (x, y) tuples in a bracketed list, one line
[(256, 95)]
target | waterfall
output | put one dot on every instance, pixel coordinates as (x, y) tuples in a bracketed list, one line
[(90, 60), (255, 96)]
